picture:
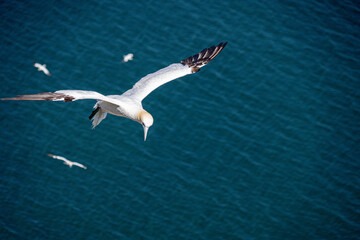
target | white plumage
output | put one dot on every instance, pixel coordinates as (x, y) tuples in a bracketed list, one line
[(128, 57), (129, 104), (42, 67), (154, 80), (67, 162)]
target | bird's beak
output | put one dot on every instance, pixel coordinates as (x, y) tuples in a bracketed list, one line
[(145, 132)]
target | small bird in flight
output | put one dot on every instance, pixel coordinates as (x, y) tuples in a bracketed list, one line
[(67, 162), (129, 104), (42, 68), (128, 57)]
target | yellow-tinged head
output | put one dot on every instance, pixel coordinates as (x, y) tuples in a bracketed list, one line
[(146, 121)]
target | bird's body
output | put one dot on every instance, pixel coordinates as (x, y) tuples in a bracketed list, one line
[(128, 57), (129, 104), (67, 162), (126, 106), (42, 67)]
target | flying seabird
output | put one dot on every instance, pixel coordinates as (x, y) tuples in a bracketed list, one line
[(129, 104), (128, 57), (67, 162), (42, 67)]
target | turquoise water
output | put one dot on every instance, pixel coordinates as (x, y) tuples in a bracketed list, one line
[(263, 143)]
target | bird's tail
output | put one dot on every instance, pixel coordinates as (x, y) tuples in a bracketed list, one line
[(97, 115)]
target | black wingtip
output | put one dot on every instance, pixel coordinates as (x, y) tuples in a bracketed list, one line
[(17, 98), (205, 56), (46, 96)]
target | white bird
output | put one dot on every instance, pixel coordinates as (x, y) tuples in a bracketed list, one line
[(42, 68), (128, 57), (67, 162), (129, 104)]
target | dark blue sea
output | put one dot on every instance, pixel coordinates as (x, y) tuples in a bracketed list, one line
[(262, 143)]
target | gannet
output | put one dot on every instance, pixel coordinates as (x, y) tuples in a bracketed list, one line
[(128, 57), (42, 68), (67, 162), (129, 104)]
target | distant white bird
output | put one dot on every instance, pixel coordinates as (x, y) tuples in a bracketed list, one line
[(129, 104), (42, 68), (128, 57), (67, 162)]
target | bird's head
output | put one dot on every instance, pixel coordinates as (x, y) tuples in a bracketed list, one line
[(146, 121)]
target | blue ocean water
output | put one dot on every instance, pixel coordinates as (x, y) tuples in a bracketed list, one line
[(263, 143)]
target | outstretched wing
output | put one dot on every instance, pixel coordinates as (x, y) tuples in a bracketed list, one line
[(46, 71), (57, 157), (187, 66), (63, 95), (79, 165)]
